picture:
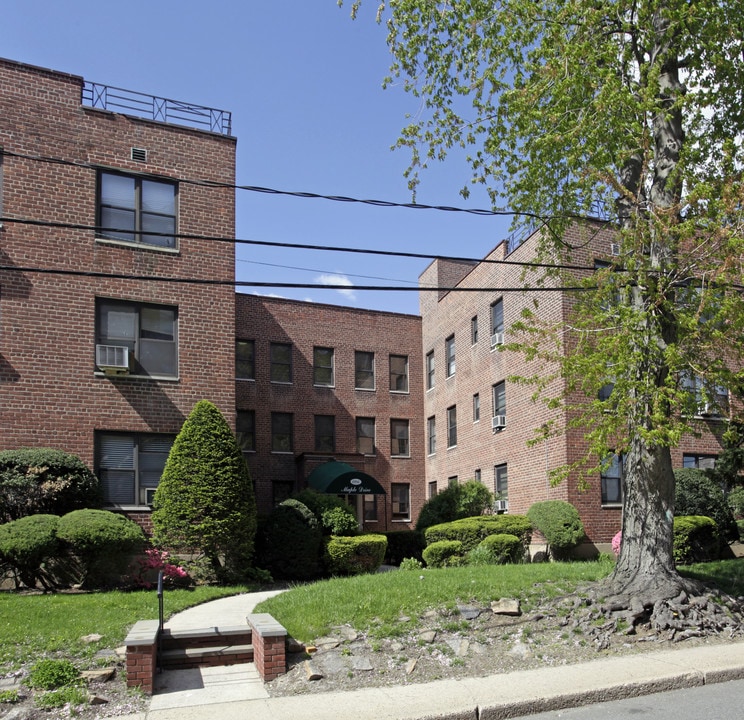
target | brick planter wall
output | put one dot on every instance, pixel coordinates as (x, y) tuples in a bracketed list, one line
[(269, 646)]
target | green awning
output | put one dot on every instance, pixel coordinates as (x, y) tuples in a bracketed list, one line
[(338, 478)]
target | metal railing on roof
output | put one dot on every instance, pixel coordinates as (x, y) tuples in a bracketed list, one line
[(129, 102)]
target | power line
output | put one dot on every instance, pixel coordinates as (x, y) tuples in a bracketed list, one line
[(261, 284), (300, 246)]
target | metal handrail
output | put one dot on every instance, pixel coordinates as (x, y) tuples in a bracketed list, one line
[(151, 107)]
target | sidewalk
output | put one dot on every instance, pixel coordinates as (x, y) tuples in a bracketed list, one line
[(236, 691)]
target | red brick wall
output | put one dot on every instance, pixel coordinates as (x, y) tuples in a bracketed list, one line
[(306, 325), (50, 394)]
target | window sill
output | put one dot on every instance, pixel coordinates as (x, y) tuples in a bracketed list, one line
[(128, 508), (400, 392), (400, 457), (366, 389), (282, 452), (401, 520), (281, 382), (159, 378), (137, 246), (612, 506), (238, 379), (321, 385)]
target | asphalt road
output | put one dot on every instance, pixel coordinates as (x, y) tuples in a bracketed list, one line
[(720, 701)]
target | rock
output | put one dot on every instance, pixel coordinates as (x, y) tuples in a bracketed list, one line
[(404, 619), (428, 636), (93, 637), (99, 675), (97, 700), (469, 612), (121, 651), (411, 666), (327, 642), (106, 654), (520, 650), (310, 672), (396, 646), (361, 663), (459, 646), (347, 633), (9, 683), (20, 713), (506, 606)]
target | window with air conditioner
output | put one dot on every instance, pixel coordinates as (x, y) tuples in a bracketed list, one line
[(498, 398), (148, 333), (500, 488), (497, 323), (130, 466), (137, 209)]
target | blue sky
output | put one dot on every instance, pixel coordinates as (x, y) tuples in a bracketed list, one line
[(304, 85)]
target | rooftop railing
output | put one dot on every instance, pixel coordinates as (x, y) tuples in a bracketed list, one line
[(151, 107)]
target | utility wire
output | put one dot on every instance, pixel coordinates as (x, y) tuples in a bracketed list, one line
[(299, 246)]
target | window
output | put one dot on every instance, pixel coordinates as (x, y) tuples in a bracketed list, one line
[(281, 432), (370, 508), (500, 482), (452, 481), (451, 426), (148, 331), (281, 362), (710, 400), (431, 434), (499, 399), (399, 373), (449, 355), (477, 475), (325, 433), (364, 370), (399, 446), (430, 370), (432, 489), (701, 462), (476, 408), (497, 317), (365, 434), (474, 330), (612, 481), (400, 499), (245, 359), (137, 209), (130, 466), (323, 373), (245, 428), (605, 391)]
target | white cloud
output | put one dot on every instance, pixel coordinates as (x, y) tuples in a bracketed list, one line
[(338, 280)]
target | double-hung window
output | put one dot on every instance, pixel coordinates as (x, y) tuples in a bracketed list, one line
[(476, 408), (399, 445), (281, 362), (500, 482), (497, 317), (365, 435), (281, 432), (130, 466), (137, 209), (364, 370), (452, 426), (449, 355), (323, 371), (499, 399), (325, 433), (474, 330), (612, 480), (431, 432), (148, 332), (430, 370), (399, 373), (400, 499), (245, 359), (245, 427)]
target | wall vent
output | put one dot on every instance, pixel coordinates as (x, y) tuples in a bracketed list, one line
[(139, 155)]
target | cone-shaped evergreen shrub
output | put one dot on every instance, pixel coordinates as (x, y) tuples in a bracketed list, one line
[(205, 501)]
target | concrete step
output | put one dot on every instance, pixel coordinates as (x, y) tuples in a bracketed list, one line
[(206, 656)]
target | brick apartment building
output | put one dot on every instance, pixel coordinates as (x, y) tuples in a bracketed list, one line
[(478, 423), (384, 408)]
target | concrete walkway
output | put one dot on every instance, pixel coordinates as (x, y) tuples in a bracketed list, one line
[(236, 692)]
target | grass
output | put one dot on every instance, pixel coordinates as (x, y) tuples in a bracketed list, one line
[(36, 626)]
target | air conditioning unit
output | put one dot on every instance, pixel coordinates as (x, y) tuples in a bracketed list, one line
[(614, 249), (149, 495), (498, 422), (497, 339), (113, 359), (706, 410), (501, 505)]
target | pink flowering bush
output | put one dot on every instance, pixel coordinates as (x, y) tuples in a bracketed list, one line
[(616, 542), (146, 569)]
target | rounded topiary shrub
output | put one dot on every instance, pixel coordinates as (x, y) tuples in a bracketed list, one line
[(354, 555), (333, 514), (289, 542), (559, 523), (444, 553), (27, 544), (696, 539), (100, 544), (501, 548), (470, 531), (44, 481), (454, 502), (697, 493)]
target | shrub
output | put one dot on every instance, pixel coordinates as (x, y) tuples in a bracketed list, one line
[(64, 696), (147, 568), (333, 514), (290, 542), (9, 696), (444, 553), (44, 481), (403, 544), (560, 524), (617, 541), (697, 493), (26, 544), (411, 564), (497, 550), (205, 501), (100, 543), (696, 539), (454, 502), (470, 531), (736, 502), (355, 555), (52, 674)]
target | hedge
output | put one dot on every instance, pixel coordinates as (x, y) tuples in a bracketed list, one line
[(355, 555), (471, 531), (503, 548), (444, 553), (696, 539), (559, 522), (27, 544)]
